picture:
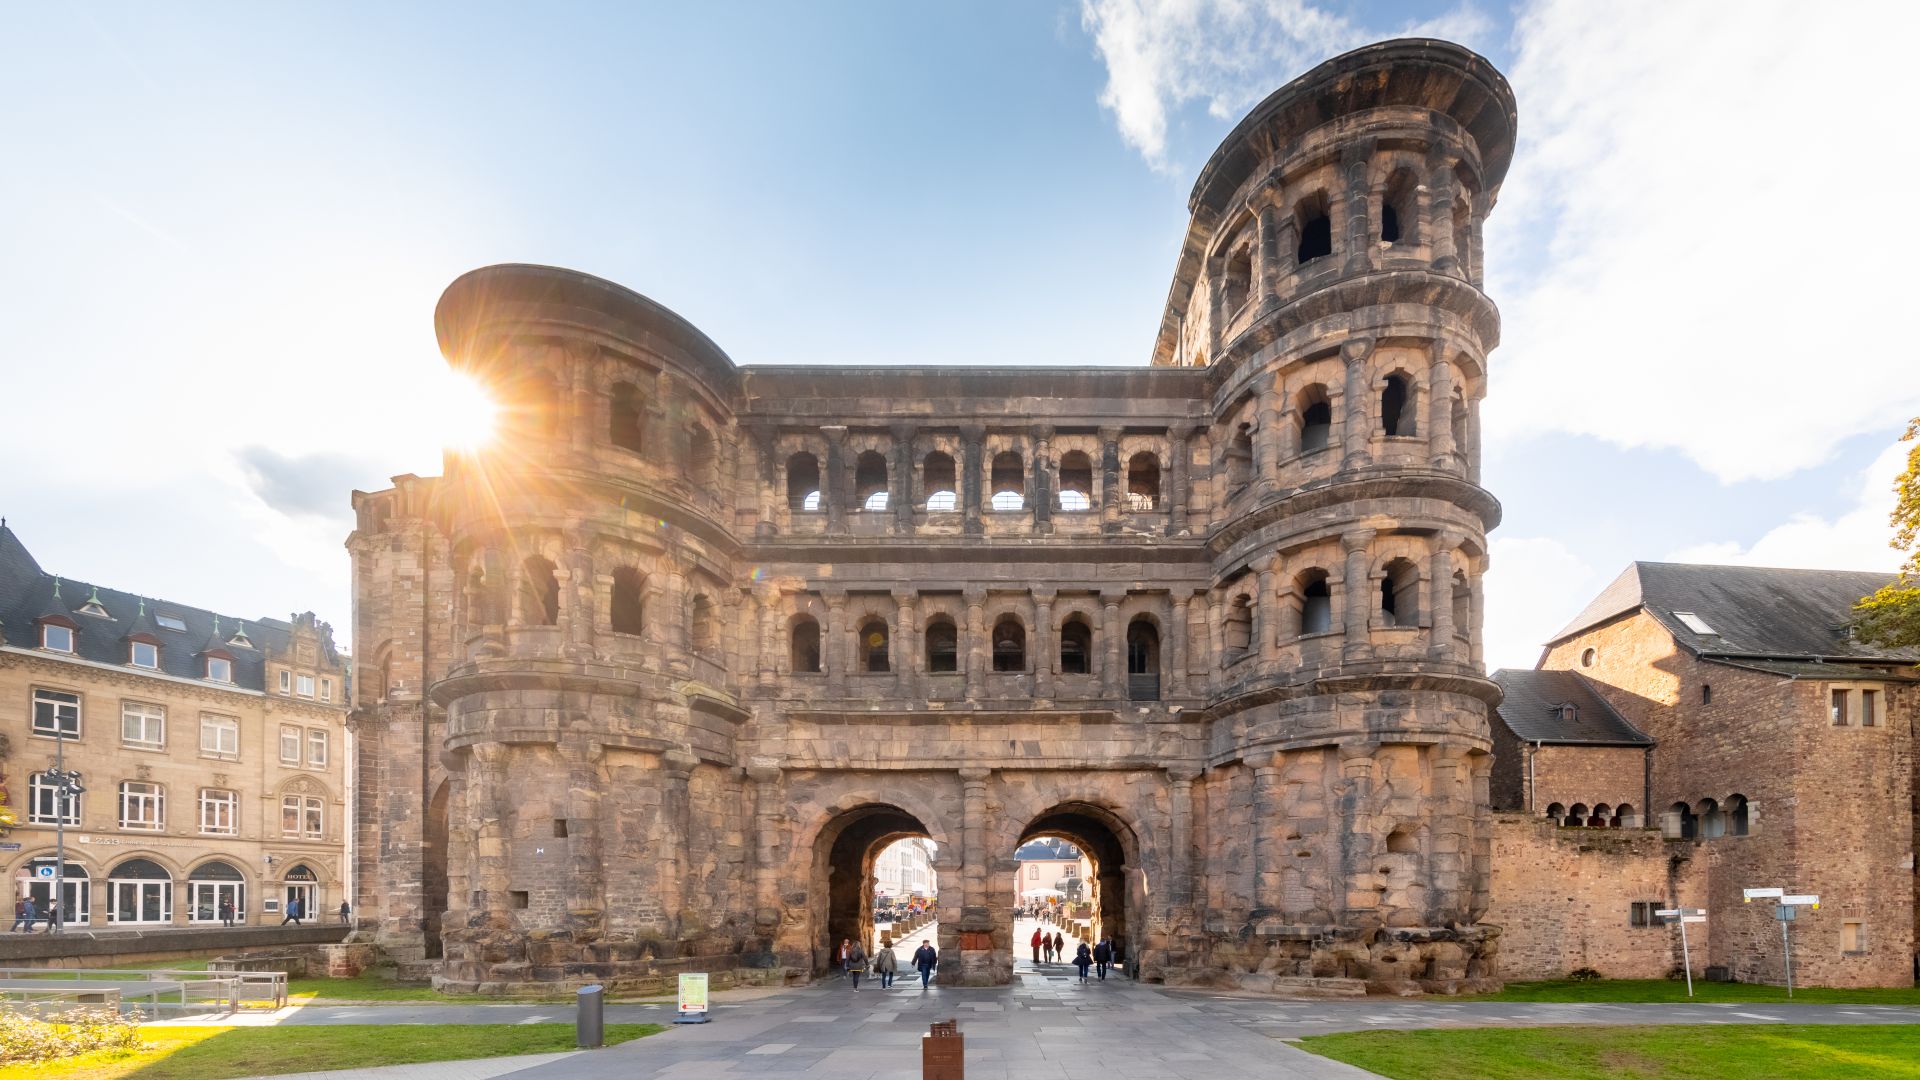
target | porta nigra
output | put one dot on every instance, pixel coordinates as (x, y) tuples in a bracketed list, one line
[(644, 684)]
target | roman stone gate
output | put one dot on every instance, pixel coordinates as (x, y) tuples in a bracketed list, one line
[(647, 681)]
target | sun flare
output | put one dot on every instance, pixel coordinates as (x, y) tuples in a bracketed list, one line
[(467, 414)]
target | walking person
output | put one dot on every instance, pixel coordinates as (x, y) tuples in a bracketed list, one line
[(346, 912), (1102, 956), (1035, 942), (1059, 947), (856, 964), (293, 912), (226, 912), (1083, 959), (23, 915), (885, 964), (925, 958), (53, 916)]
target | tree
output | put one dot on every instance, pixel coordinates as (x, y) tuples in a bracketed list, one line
[(1891, 617)]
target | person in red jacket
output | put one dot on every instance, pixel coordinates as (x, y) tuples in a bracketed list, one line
[(1036, 944)]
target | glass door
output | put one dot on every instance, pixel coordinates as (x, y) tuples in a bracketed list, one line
[(205, 897), (140, 901), (75, 907)]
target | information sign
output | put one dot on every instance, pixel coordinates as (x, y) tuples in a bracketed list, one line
[(1693, 918), (693, 997), (1801, 901), (1762, 894)]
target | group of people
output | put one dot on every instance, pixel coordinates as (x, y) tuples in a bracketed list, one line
[(1046, 946), (1107, 952), (854, 962), (26, 912)]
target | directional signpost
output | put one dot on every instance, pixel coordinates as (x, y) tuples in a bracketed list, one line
[(1683, 916), (1789, 909)]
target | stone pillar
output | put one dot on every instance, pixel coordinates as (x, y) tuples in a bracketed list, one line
[(1358, 436), (1360, 253), (1359, 903), (1267, 265), (976, 643), (678, 624), (1046, 654), (1180, 780), (1042, 497), (1440, 197), (586, 900), (1440, 591), (970, 479), (1476, 258), (578, 612), (833, 488), (580, 372), (1266, 621), (1215, 613), (973, 913), (1269, 847), (833, 650), (907, 649), (1178, 453), (764, 448), (1472, 447), (1440, 409), (765, 654), (1110, 486), (1266, 434), (1450, 836), (1216, 305), (1357, 598), (1180, 631), (1286, 438), (1114, 680), (676, 805), (1476, 654), (900, 482), (769, 820), (489, 810)]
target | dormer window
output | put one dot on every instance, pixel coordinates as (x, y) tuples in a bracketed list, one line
[(56, 638), (171, 622), (240, 638), (143, 654), (1695, 623), (219, 669), (1568, 712), (94, 607)]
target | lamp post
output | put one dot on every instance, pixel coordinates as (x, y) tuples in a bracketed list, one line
[(66, 788)]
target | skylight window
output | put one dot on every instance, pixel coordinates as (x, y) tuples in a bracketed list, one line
[(171, 622), (1695, 623)]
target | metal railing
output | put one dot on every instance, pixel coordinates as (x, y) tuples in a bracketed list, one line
[(152, 989)]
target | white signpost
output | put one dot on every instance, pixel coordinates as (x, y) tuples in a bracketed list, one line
[(1788, 909), (1683, 916)]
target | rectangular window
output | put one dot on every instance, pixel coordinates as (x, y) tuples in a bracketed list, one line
[(289, 745), (43, 802), (1839, 708), (171, 622), (219, 669), (143, 806), (326, 689), (286, 681), (1869, 708), (304, 686), (316, 748), (302, 815), (144, 654), (315, 819), (1853, 936), (1641, 913), (219, 735), (56, 638), (219, 812), (144, 726), (56, 713)]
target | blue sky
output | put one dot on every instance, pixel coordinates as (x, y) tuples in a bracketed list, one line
[(223, 229)]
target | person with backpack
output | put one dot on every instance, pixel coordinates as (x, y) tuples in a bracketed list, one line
[(1102, 956), (1083, 959), (925, 958), (856, 964)]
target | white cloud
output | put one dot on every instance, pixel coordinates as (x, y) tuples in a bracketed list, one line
[(1534, 584), (1163, 54), (1856, 540), (1701, 236)]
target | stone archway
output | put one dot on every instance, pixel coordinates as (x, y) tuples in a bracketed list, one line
[(433, 869), (842, 887), (1109, 843)]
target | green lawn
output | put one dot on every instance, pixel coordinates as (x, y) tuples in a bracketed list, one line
[(375, 986), (218, 1053), (1657, 990), (1680, 1052)]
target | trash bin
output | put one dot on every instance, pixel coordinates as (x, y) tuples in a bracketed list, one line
[(943, 1052), (590, 1017)]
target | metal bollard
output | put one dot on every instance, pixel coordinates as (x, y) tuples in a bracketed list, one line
[(590, 1018)]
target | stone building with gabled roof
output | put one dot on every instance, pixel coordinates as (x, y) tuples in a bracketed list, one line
[(212, 750)]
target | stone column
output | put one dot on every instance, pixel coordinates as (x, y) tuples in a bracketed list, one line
[(1045, 653), (1111, 492), (1217, 306), (1178, 453), (1440, 589), (833, 493), (976, 643), (1215, 613), (769, 643), (1266, 434), (1115, 675), (1181, 630), (765, 442), (833, 651), (1476, 257), (578, 612), (676, 805), (1357, 595), (1286, 438), (1472, 447), (769, 820), (1476, 654), (1440, 197), (678, 623), (1180, 780), (586, 900), (1269, 849), (1358, 234), (1440, 409), (1267, 265), (1042, 498), (1265, 622), (580, 373), (1358, 435), (973, 912), (906, 646), (1450, 835), (490, 812), (900, 482), (970, 479), (1359, 903)]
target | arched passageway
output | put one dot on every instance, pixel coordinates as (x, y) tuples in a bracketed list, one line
[(844, 874), (1115, 886)]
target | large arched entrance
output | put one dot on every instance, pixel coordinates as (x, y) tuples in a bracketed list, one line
[(844, 874), (1114, 885)]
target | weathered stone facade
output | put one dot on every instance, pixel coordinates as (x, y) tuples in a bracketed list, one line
[(647, 682)]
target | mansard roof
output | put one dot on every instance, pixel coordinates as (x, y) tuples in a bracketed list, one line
[(1531, 707), (1753, 612)]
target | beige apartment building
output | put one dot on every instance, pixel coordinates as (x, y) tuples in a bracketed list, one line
[(211, 749)]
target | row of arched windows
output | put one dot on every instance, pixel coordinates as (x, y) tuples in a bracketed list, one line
[(1598, 816), (1708, 819), (1007, 645), (539, 604), (1399, 603), (1007, 482), (534, 410)]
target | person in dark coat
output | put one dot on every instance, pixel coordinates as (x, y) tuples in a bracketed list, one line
[(1102, 956), (1083, 959), (1059, 947), (856, 965), (226, 912), (25, 914), (925, 959), (293, 912)]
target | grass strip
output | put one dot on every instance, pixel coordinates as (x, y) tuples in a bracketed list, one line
[(1662, 990)]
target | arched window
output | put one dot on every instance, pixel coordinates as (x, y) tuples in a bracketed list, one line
[(1009, 644), (1239, 627), (1316, 602), (1713, 823), (937, 473), (943, 645), (1706, 693), (1400, 209), (870, 481), (1599, 817), (1400, 594), (1557, 812), (1316, 228), (1622, 815), (803, 483), (1076, 647), (1397, 406), (1240, 460), (539, 592), (1143, 482), (1402, 842), (1076, 481), (1739, 820), (626, 422), (1009, 481), (216, 892), (1238, 282), (702, 637), (1577, 814), (805, 649), (1143, 660), (76, 890), (139, 891), (628, 604), (1316, 419), (1681, 823), (873, 645), (703, 462)]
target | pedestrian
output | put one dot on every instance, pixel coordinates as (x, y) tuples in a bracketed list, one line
[(1046, 947), (1083, 959), (1035, 942), (885, 964), (1102, 956), (346, 912), (53, 916), (925, 958), (856, 964), (23, 915), (1059, 946), (226, 912), (292, 912)]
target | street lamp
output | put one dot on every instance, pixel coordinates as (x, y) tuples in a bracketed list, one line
[(66, 788)]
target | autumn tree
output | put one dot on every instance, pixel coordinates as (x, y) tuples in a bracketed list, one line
[(1891, 617)]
